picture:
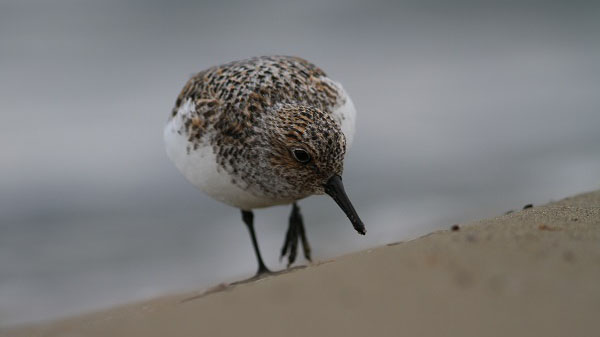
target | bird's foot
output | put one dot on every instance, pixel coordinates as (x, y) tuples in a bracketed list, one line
[(262, 271), (294, 234)]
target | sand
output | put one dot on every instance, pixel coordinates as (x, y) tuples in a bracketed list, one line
[(535, 272)]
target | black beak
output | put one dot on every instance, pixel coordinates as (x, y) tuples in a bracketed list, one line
[(335, 189)]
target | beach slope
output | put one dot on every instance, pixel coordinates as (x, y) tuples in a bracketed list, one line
[(535, 272)]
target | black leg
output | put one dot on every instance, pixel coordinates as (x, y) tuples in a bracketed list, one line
[(305, 245), (294, 234), (248, 218)]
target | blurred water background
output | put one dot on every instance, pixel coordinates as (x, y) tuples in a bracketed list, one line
[(466, 110)]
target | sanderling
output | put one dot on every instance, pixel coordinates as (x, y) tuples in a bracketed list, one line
[(261, 132)]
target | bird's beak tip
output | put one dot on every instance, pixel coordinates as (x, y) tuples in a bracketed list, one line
[(335, 189)]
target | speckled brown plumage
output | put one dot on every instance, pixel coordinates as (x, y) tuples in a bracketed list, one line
[(262, 132), (252, 112)]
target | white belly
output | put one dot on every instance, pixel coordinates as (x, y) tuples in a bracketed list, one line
[(200, 168)]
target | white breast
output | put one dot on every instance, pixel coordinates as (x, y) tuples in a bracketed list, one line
[(200, 166), (344, 112)]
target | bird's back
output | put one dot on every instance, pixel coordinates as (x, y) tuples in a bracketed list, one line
[(250, 86)]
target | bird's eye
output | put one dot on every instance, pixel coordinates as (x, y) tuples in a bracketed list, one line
[(301, 155)]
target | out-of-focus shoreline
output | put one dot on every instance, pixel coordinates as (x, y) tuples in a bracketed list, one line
[(534, 272)]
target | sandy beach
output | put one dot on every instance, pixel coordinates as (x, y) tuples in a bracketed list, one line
[(534, 272)]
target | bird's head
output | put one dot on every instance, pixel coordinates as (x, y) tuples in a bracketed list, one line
[(304, 153)]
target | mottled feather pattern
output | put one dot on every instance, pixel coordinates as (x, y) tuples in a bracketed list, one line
[(262, 132), (243, 108)]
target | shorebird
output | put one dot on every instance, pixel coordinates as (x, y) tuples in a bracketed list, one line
[(261, 132)]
